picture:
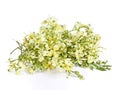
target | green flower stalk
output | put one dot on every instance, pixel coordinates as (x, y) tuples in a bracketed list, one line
[(55, 47)]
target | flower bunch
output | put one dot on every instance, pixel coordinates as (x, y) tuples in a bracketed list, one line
[(55, 47)]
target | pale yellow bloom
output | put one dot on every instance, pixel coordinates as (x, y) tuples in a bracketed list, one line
[(56, 47)]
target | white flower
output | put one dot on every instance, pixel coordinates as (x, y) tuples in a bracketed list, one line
[(43, 38), (77, 54), (41, 58), (56, 47), (46, 46), (45, 53), (54, 61)]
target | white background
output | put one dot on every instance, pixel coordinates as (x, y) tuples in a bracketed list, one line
[(24, 16)]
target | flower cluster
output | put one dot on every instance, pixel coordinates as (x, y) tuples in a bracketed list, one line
[(55, 47)]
